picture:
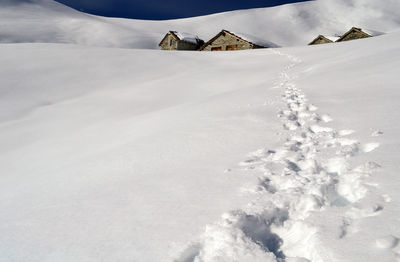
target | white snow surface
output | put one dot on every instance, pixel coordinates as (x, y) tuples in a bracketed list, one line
[(282, 154)]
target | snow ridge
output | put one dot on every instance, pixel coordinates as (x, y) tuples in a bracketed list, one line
[(308, 174)]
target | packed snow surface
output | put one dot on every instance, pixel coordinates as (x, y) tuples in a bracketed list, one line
[(282, 154)]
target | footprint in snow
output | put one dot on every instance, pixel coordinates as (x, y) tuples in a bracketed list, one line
[(351, 221), (291, 126), (326, 118), (377, 133), (312, 107), (346, 132), (387, 242), (387, 198), (320, 129)]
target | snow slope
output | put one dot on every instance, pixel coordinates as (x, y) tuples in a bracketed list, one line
[(130, 159), (108, 161), (110, 154), (287, 25), (329, 192)]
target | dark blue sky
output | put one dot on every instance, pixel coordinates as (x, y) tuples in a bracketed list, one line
[(151, 9)]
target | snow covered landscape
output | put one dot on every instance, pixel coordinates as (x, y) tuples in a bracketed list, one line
[(113, 150)]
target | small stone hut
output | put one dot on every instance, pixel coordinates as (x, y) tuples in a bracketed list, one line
[(174, 40), (228, 41), (354, 33), (323, 40)]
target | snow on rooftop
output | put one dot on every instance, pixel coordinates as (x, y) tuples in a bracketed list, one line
[(372, 32), (255, 40), (187, 37), (332, 38)]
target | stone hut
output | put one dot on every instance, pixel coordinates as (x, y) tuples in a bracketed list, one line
[(174, 40), (323, 40), (228, 41), (354, 33)]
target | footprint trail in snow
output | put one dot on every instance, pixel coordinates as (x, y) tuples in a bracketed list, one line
[(308, 173)]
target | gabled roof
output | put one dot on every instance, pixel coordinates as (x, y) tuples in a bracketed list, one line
[(352, 30), (320, 37), (169, 33), (180, 36), (328, 39), (257, 42)]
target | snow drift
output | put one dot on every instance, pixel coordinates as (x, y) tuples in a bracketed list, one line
[(110, 154)]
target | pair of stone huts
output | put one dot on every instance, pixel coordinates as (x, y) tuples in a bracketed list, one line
[(353, 34), (223, 41)]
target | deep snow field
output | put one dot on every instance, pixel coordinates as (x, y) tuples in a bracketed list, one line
[(115, 154)]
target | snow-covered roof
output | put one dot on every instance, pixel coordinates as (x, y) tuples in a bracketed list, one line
[(332, 38), (372, 32), (366, 31), (254, 39), (187, 37)]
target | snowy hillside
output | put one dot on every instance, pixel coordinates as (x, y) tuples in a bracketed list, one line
[(288, 25), (287, 154)]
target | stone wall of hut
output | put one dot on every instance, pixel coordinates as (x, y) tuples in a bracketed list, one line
[(320, 40), (228, 42), (182, 45), (169, 43), (354, 35)]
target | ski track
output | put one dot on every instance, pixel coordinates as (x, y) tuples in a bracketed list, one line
[(308, 173)]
